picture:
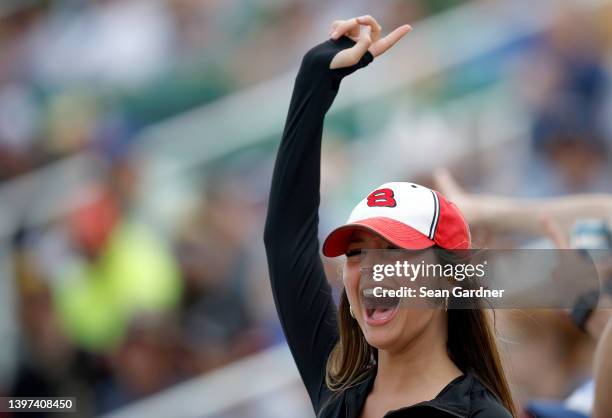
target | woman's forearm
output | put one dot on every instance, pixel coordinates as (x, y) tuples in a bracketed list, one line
[(509, 214), (502, 214), (294, 194)]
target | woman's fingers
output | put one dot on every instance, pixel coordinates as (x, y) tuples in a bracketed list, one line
[(372, 23), (388, 41), (334, 25), (347, 27), (363, 43), (351, 27), (366, 38), (351, 56)]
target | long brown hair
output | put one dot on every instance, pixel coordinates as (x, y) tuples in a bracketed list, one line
[(471, 346)]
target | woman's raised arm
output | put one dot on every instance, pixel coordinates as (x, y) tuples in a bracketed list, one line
[(302, 294)]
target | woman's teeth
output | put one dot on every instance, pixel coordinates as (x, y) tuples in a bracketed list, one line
[(372, 302)]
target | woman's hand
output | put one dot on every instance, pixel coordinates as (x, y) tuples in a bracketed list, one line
[(365, 31)]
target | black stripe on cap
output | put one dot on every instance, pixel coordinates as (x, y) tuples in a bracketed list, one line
[(434, 221)]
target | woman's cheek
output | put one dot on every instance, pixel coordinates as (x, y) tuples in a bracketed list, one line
[(350, 278)]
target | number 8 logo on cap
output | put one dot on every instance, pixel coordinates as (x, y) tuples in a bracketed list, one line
[(381, 197)]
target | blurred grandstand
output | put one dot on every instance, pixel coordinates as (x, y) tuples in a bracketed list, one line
[(136, 147)]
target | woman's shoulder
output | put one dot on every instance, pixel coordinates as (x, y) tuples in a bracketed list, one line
[(490, 409), (485, 404)]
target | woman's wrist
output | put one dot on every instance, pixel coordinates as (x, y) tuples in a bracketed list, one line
[(317, 60)]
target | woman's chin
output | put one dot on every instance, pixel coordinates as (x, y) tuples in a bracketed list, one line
[(398, 332), (381, 339)]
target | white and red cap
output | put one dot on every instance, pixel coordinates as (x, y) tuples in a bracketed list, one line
[(407, 215)]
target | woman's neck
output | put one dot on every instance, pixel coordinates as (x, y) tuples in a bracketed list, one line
[(422, 366)]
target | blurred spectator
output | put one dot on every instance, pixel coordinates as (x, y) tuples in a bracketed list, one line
[(216, 254), (132, 39), (144, 363), (121, 267), (547, 356), (568, 133), (48, 364)]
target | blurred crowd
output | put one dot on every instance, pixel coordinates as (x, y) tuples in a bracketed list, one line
[(111, 311), (109, 308), (91, 74)]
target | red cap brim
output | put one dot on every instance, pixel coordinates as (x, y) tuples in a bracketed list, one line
[(397, 233)]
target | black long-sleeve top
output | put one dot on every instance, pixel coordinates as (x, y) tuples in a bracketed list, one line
[(302, 294)]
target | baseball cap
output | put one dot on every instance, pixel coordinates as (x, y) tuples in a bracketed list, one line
[(408, 215)]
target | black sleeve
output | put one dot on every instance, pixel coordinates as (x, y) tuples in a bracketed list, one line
[(302, 294)]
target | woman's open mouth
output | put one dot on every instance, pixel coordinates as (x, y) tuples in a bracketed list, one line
[(378, 310)]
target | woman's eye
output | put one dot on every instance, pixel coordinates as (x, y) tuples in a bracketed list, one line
[(353, 253)]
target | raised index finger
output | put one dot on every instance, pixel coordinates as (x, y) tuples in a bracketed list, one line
[(388, 41)]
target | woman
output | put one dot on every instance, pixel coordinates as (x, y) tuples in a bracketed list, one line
[(358, 362)]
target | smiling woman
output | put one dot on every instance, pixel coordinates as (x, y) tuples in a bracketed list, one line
[(359, 360)]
